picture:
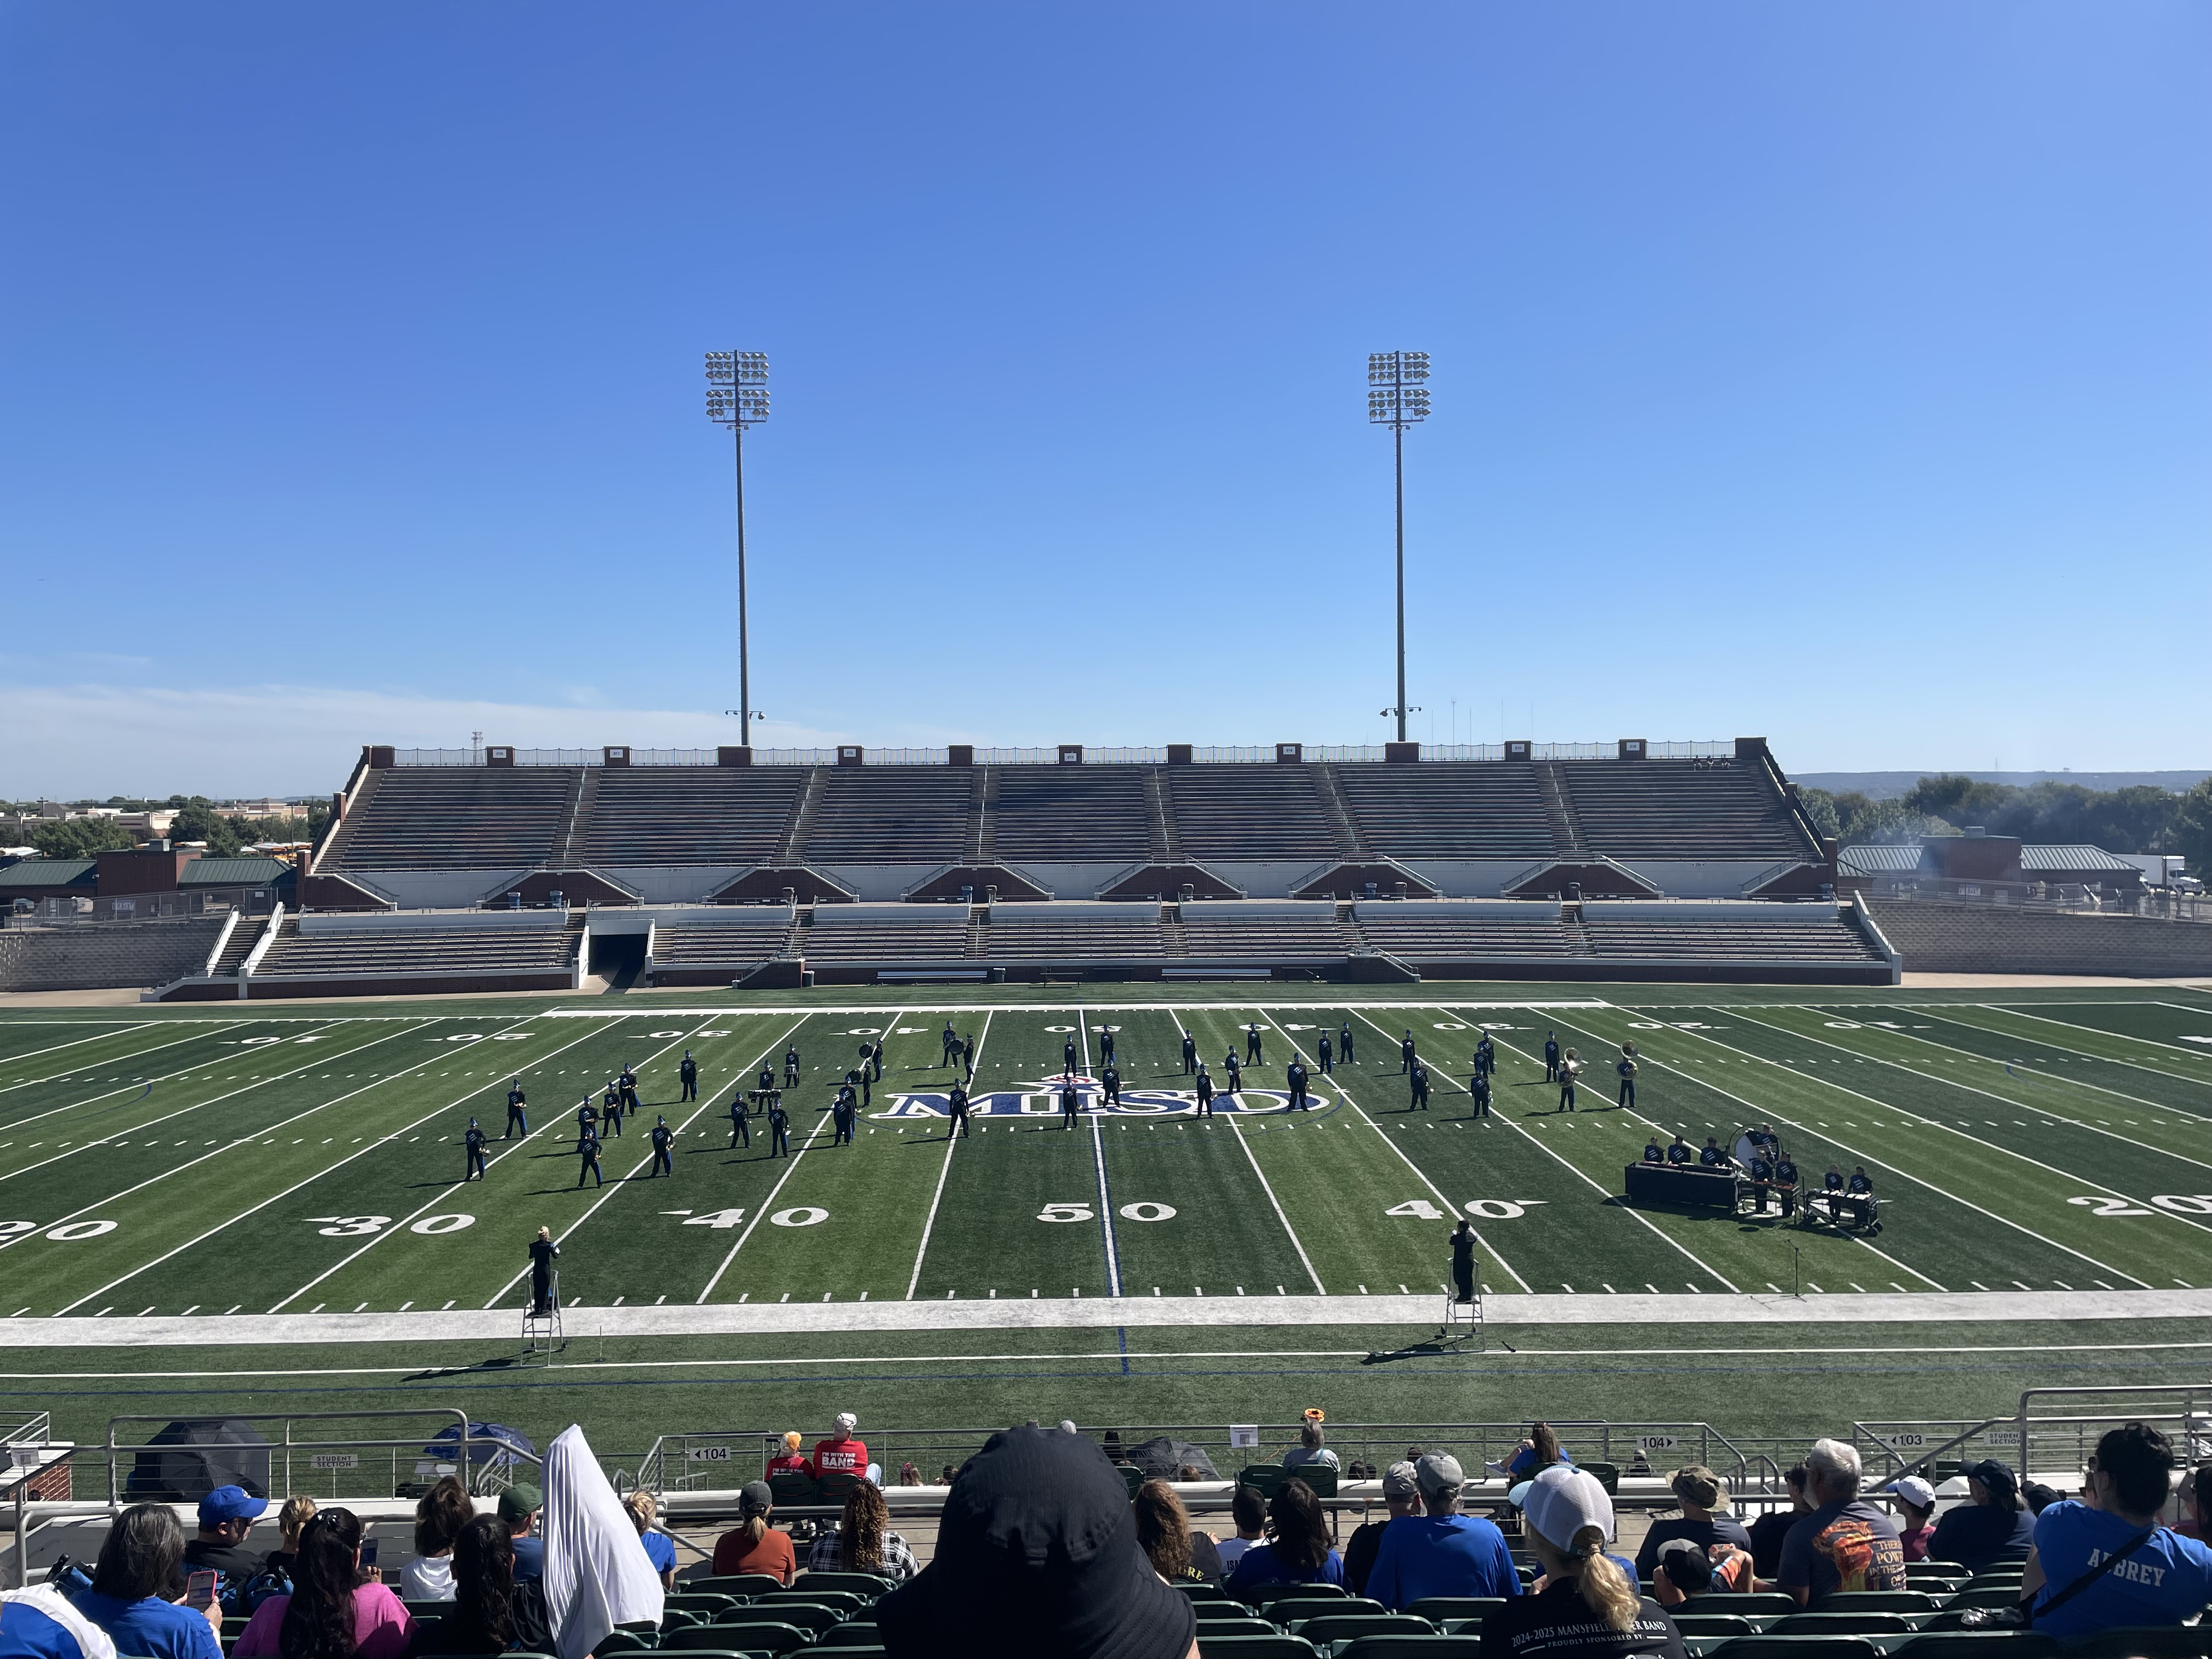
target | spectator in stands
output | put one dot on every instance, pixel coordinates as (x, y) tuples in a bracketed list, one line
[(753, 1545), (1704, 1521), (1588, 1605), (909, 1475), (38, 1622), (1309, 1448), (332, 1612), (1540, 1451), (139, 1589), (1768, 1532), (492, 1612), (1402, 1497), (1916, 1501), (1038, 1552), (1296, 1551), (518, 1511), (1844, 1544), (659, 1548), (2195, 1500), (298, 1511), (1440, 1552), (1248, 1511), (440, 1515), (864, 1541), (947, 1475), (1177, 1554), (844, 1454), (792, 1462), (2105, 1563), (1684, 1572), (2040, 1497), (227, 1518), (1994, 1527)]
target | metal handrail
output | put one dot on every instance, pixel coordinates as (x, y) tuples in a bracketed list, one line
[(447, 1416)]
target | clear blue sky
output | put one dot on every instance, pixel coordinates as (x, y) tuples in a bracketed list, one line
[(1837, 372)]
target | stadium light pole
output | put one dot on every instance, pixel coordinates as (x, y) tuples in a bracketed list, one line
[(1398, 396), (736, 398)]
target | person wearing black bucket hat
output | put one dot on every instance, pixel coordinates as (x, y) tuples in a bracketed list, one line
[(1993, 1527), (1036, 1551)]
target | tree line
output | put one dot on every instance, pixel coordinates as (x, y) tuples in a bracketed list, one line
[(2143, 818), (196, 820)]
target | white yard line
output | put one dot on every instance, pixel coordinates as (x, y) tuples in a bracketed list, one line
[(606, 1193), (551, 1117), (119, 1060), (2035, 1076), (929, 1223), (2020, 1012), (1450, 1207), (212, 1100), (274, 1197), (1099, 1161)]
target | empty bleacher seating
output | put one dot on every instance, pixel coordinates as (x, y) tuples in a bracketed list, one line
[(1816, 933), (1966, 937), (1250, 812), (690, 814), (1472, 810), (735, 940), (1091, 813), (890, 935), (456, 818), (1288, 931), (404, 947), (891, 815), (88, 955), (1447, 930), (1712, 809), (1073, 933)]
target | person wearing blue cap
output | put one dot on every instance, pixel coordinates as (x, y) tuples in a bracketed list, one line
[(226, 1516)]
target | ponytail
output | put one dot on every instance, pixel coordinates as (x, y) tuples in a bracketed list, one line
[(1605, 1589), (756, 1528), (319, 1619)]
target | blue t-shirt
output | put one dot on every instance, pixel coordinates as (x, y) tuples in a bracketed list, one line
[(660, 1549), (153, 1628), (1424, 1555), (38, 1623), (2165, 1581), (529, 1559), (1258, 1565)]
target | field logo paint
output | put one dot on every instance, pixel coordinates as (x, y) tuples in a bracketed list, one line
[(1041, 1099)]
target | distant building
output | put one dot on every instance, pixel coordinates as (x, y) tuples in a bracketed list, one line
[(1976, 865)]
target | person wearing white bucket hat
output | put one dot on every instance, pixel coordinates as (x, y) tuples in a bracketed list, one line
[(1588, 1605)]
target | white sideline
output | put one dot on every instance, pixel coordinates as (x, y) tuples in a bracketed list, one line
[(1390, 1316)]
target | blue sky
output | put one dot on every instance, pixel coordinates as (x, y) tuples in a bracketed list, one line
[(1833, 372)]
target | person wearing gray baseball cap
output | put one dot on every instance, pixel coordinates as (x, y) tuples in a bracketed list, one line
[(1440, 1552), (1995, 1526), (1401, 1497), (753, 1545), (1588, 1604)]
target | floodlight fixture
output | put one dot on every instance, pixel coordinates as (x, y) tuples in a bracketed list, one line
[(1398, 396), (736, 398)]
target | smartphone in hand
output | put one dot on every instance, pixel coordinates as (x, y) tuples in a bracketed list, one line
[(199, 1590)]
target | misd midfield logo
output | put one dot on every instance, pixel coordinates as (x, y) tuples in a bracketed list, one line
[(1041, 1098)]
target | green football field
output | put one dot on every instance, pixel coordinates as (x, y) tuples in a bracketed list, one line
[(275, 1160)]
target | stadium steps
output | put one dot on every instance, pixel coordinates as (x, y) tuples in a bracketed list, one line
[(1559, 810), (983, 794), (1349, 841), (239, 946), (1167, 844), (93, 956), (575, 829), (793, 847)]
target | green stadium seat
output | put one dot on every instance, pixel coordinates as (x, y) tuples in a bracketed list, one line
[(620, 1641), (1290, 1611), (1440, 1609), (1411, 1647), (1937, 1576), (846, 1602), (681, 1619), (695, 1601), (1245, 1625), (1763, 1604), (867, 1584), (1904, 1601), (1131, 1477), (791, 1486), (739, 1584), (1713, 1626), (727, 1638), (848, 1633), (1795, 1647), (1608, 1476), (1275, 1646), (836, 1486), (1333, 1628), (1841, 1624), (804, 1615), (1984, 1595), (1201, 1593), (1322, 1477), (1261, 1595), (1268, 1477)]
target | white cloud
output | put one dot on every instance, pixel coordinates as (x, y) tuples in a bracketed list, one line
[(72, 741)]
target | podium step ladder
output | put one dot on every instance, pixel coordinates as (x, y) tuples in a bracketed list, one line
[(1463, 1322), (541, 1331)]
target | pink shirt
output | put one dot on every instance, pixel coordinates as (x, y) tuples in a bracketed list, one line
[(381, 1627)]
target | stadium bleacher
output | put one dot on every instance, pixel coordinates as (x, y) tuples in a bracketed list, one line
[(1680, 808), (889, 815), (453, 818), (1251, 812), (1086, 813), (1476, 810), (482, 951), (716, 947), (659, 815)]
